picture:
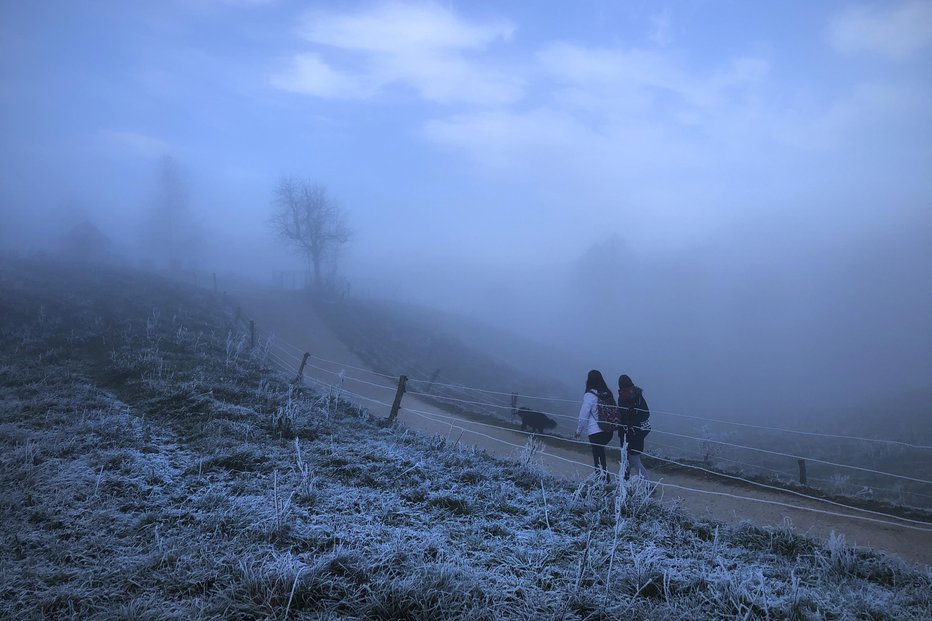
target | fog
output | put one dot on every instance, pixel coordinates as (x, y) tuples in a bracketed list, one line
[(732, 204)]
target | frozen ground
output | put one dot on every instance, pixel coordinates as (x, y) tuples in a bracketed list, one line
[(153, 466)]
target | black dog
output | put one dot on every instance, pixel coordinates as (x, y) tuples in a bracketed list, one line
[(537, 421)]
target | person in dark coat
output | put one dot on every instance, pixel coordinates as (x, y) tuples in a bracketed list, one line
[(635, 417), (596, 390)]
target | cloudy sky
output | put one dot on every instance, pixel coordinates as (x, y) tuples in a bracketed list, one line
[(498, 136)]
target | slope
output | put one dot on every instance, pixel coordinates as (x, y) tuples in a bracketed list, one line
[(153, 466)]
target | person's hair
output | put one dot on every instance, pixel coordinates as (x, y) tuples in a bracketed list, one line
[(595, 381), (624, 382)]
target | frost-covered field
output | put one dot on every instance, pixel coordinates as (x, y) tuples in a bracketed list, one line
[(154, 467)]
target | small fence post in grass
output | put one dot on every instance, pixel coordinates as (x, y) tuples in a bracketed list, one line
[(402, 380), (514, 404), (252, 333), (300, 375), (802, 472)]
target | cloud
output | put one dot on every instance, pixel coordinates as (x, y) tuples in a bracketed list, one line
[(637, 121), (678, 140), (608, 109), (897, 32), (613, 77), (202, 4), (309, 74), (135, 143), (424, 47), (661, 28), (395, 28), (871, 113), (501, 138)]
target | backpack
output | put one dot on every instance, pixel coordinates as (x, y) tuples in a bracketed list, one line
[(609, 414), (633, 407)]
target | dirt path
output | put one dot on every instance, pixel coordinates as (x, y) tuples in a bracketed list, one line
[(297, 329)]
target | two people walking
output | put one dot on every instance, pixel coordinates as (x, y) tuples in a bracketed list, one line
[(601, 415)]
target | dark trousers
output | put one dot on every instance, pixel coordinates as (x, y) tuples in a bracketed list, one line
[(598, 441)]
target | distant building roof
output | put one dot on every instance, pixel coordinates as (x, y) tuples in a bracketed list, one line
[(86, 241)]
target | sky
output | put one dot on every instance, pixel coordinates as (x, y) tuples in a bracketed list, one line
[(696, 187)]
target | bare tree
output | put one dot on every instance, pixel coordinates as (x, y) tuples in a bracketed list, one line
[(309, 220)]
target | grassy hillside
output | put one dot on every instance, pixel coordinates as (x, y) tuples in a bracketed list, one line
[(427, 341), (402, 339), (154, 467)]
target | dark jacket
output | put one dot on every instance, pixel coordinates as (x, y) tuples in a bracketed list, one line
[(635, 414)]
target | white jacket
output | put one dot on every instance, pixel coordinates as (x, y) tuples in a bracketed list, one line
[(589, 415)]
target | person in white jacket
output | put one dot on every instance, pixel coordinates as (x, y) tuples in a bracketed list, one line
[(596, 389)]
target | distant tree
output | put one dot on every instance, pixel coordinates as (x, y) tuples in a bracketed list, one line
[(171, 230), (309, 220)]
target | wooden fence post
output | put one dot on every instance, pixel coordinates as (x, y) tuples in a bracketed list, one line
[(514, 404), (402, 380), (252, 333), (301, 369), (802, 472)]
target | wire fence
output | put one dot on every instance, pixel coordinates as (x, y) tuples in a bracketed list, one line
[(347, 381), (457, 423)]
